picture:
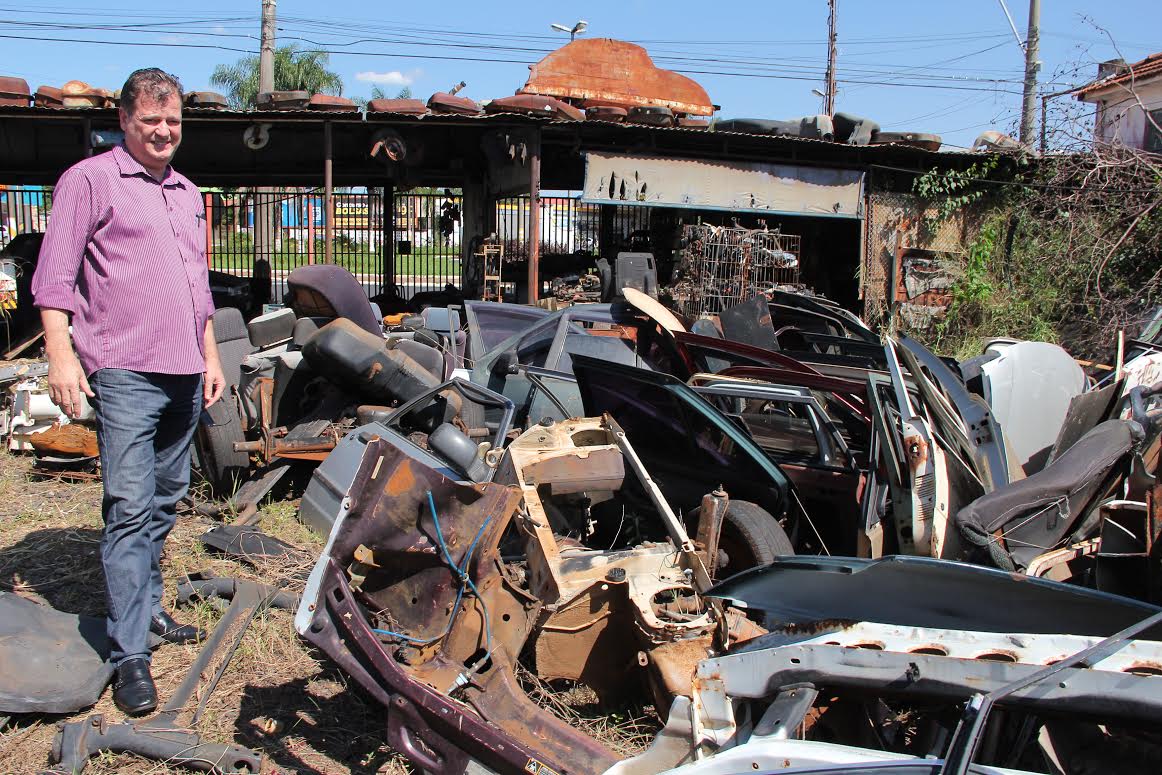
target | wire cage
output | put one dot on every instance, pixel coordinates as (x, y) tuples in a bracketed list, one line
[(727, 265)]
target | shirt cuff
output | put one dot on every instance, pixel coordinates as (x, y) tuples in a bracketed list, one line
[(56, 297)]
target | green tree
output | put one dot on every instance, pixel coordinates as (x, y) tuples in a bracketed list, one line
[(377, 93), (294, 70)]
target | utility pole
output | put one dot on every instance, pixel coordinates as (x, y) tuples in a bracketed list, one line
[(829, 94), (266, 52), (1029, 104), (265, 225)]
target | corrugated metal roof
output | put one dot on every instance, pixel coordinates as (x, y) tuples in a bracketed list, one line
[(1150, 67), (453, 118)]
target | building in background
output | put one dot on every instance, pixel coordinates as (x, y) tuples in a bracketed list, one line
[(1128, 100)]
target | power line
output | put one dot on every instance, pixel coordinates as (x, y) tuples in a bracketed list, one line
[(494, 60)]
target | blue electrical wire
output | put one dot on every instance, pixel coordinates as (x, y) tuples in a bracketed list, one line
[(461, 574)]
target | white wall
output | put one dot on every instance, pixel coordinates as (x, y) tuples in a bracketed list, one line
[(1120, 119)]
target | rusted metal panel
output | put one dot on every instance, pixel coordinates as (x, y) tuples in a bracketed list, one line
[(443, 102), (535, 105), (622, 178), (283, 100), (14, 91), (428, 630), (600, 71), (592, 640), (408, 107), (48, 97), (331, 103), (206, 100), (601, 469)]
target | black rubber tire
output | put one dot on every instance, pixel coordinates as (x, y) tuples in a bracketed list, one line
[(750, 538), (222, 467)]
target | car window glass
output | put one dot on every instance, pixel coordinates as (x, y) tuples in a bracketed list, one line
[(782, 428), (649, 414)]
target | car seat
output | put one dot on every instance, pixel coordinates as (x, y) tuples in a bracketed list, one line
[(329, 291)]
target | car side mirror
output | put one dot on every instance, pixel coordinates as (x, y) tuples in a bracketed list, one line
[(506, 363)]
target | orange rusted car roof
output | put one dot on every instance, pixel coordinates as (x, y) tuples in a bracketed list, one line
[(601, 71)]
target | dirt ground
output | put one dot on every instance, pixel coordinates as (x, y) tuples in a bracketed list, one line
[(278, 695)]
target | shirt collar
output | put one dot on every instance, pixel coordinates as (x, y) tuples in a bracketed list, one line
[(130, 167)]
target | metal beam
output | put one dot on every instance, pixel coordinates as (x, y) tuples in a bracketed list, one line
[(534, 272), (328, 193), (387, 223)]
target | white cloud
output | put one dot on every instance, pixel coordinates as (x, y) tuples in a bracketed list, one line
[(391, 78), (172, 40)]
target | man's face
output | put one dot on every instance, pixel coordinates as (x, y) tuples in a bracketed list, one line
[(153, 131)]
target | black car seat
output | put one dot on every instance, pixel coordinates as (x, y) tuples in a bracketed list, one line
[(605, 273), (273, 328), (329, 291), (233, 340), (361, 362), (1056, 505), (637, 271)]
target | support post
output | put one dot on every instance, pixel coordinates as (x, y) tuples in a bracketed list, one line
[(1028, 105), (388, 225), (606, 247), (87, 140), (209, 201), (328, 195), (534, 273), (310, 229)]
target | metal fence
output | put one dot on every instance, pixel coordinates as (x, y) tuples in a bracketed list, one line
[(286, 229), (23, 210)]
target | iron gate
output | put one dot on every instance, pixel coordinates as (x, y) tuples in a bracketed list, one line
[(286, 229)]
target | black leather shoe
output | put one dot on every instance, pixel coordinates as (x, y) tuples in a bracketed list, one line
[(133, 689), (163, 626)]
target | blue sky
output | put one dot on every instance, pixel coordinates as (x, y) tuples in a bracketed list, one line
[(944, 67)]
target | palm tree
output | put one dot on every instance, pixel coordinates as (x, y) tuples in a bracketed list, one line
[(377, 93), (294, 70)]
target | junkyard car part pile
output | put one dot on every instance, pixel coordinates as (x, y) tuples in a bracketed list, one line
[(583, 569), (512, 492)]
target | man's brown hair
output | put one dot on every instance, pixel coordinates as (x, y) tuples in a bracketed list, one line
[(152, 82)]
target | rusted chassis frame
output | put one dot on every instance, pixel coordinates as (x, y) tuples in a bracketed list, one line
[(496, 723), (433, 731)]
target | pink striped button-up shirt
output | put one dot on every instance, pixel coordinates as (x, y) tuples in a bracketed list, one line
[(125, 254)]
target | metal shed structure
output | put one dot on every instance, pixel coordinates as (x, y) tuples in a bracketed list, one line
[(818, 188)]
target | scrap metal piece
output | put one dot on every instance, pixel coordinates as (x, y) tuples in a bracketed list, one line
[(78, 741), (600, 72), (162, 737), (248, 544), (710, 516), (437, 645), (924, 592), (690, 559), (207, 586)]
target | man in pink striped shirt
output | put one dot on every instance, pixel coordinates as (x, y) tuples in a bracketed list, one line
[(124, 257)]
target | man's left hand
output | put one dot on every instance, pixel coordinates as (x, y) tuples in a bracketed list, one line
[(214, 384)]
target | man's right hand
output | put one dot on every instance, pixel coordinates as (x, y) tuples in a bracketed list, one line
[(66, 382), (66, 378)]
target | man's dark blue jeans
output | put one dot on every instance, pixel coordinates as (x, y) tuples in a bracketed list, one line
[(144, 425)]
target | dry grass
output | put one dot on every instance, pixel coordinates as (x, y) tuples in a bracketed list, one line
[(276, 696)]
